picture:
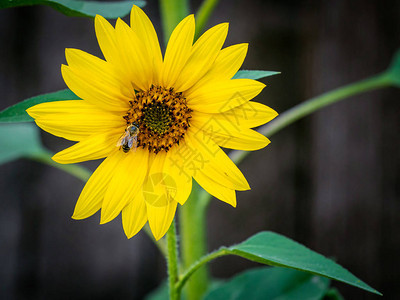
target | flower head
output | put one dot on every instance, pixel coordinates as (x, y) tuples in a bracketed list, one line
[(158, 122)]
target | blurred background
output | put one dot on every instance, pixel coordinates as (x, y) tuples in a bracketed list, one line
[(330, 181)]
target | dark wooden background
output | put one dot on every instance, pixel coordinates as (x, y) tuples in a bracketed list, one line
[(330, 181)]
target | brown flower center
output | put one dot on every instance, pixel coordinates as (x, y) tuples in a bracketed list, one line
[(162, 117)]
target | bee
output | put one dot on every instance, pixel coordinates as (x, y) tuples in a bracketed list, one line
[(128, 140)]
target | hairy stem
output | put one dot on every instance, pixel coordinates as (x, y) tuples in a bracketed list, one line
[(172, 262), (199, 263), (193, 237)]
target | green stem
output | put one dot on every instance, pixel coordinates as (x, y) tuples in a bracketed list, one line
[(75, 170), (193, 240), (203, 14), (84, 174), (199, 263), (172, 12), (172, 261), (306, 108), (285, 119)]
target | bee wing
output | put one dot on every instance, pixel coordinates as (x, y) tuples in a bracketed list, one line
[(130, 142), (121, 140), (133, 143)]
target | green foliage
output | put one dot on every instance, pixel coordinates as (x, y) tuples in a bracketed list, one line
[(19, 140), (276, 250), (160, 293), (263, 284), (79, 8), (393, 72), (22, 140), (203, 14), (271, 283), (17, 112), (333, 294), (254, 74), (172, 12)]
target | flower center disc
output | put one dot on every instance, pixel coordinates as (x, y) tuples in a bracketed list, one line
[(162, 117)]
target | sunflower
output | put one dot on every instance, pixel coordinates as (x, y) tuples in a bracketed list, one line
[(158, 121)]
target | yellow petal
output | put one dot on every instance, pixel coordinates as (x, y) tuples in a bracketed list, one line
[(107, 40), (218, 191), (225, 65), (92, 195), (202, 153), (134, 56), (249, 114), (100, 73), (134, 216), (94, 90), (203, 55), (160, 218), (94, 147), (157, 182), (74, 120), (144, 29), (178, 51), (247, 140), (158, 190), (180, 158), (72, 134), (226, 133), (217, 97), (125, 184), (182, 184), (111, 47)]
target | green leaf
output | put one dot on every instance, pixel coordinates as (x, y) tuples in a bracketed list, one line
[(22, 140), (19, 140), (203, 14), (393, 72), (17, 112), (271, 283), (254, 74), (276, 250), (172, 12), (160, 293), (333, 294), (79, 8)]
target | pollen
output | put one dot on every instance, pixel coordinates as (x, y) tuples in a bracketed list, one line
[(162, 116)]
